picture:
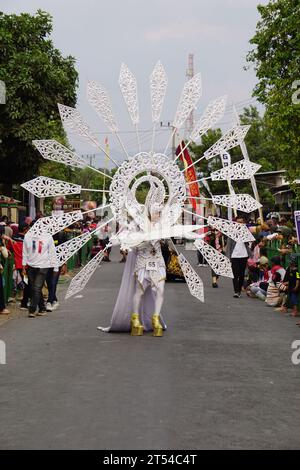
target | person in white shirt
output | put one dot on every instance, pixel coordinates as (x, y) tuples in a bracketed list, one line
[(238, 252), (38, 256)]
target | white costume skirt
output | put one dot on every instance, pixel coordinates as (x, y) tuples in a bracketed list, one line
[(151, 278)]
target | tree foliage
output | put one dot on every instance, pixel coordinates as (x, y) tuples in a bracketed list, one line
[(276, 58), (37, 77)]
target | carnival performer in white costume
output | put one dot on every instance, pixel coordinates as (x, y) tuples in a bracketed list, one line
[(150, 273), (141, 293)]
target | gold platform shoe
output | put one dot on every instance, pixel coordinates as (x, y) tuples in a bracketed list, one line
[(157, 326), (137, 328)]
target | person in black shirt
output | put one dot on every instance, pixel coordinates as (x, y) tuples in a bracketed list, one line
[(292, 281)]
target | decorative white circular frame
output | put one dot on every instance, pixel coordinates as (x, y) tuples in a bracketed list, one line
[(157, 163)]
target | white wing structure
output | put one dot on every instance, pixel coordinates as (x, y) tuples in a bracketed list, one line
[(67, 249), (190, 96), (42, 186), (128, 86), (54, 224), (241, 202), (212, 114), (81, 279), (100, 101), (158, 87), (194, 282), (233, 230), (231, 139), (56, 152), (218, 262), (241, 170)]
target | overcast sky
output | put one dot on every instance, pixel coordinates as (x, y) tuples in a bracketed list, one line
[(102, 34)]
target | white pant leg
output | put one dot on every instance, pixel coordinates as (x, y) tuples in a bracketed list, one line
[(159, 296), (137, 297)]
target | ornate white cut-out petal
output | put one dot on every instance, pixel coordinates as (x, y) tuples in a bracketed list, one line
[(220, 264), (69, 248), (100, 101), (241, 170), (231, 139), (56, 152), (158, 87), (128, 86), (193, 280), (233, 230), (42, 186), (54, 224), (212, 114), (73, 120), (190, 96), (241, 202), (81, 279)]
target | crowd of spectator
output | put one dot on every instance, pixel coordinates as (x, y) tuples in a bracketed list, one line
[(273, 279)]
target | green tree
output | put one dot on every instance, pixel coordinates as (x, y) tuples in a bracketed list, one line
[(37, 77), (276, 58)]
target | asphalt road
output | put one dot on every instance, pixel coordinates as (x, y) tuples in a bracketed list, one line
[(220, 378)]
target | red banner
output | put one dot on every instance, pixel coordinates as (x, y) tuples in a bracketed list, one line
[(190, 174)]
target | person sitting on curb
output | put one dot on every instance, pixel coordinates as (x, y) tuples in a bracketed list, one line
[(260, 291), (263, 276), (274, 295)]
